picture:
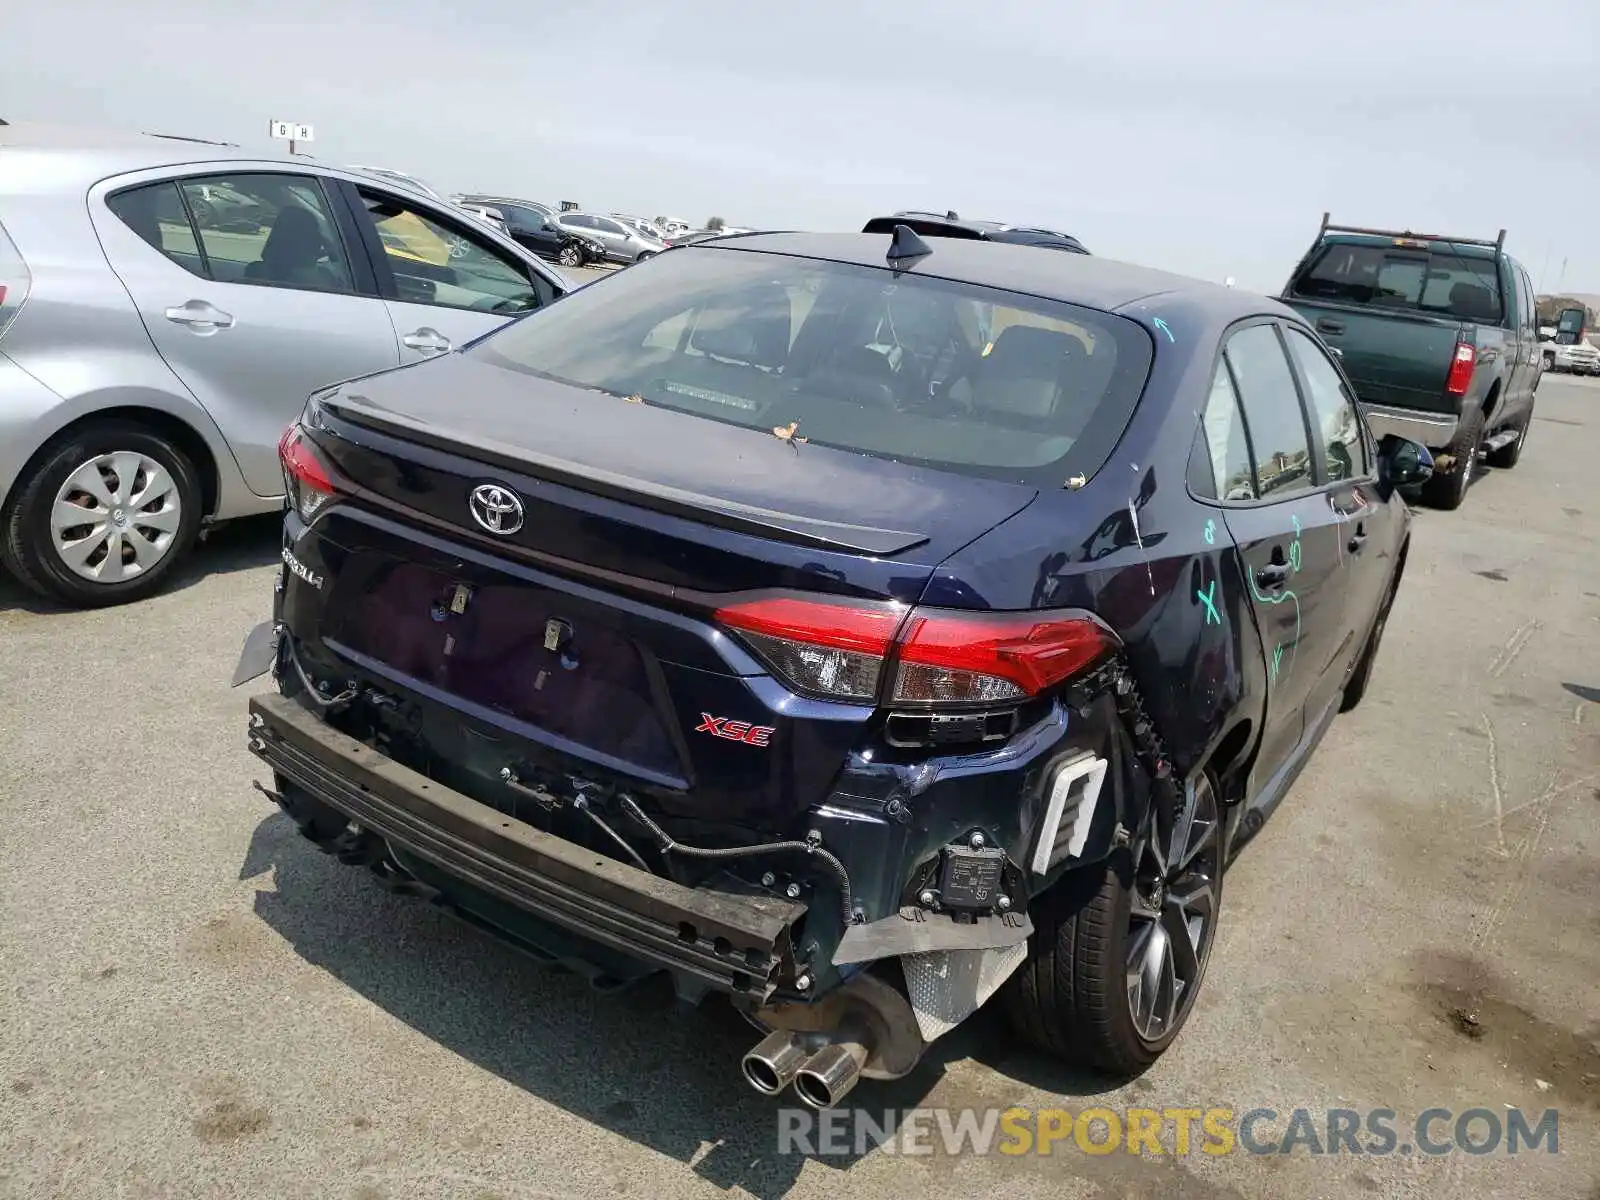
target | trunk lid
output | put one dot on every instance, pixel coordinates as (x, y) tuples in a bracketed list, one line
[(581, 642)]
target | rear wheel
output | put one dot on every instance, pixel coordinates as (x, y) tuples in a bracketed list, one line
[(103, 516), (1448, 489), (1119, 950)]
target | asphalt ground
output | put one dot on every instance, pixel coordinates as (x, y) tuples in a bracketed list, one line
[(198, 1004)]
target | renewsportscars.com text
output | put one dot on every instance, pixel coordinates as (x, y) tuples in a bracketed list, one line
[(1432, 1132)]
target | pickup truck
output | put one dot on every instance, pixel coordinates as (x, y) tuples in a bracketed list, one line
[(1438, 336)]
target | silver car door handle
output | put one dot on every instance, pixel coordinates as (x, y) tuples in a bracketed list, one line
[(427, 340), (200, 316)]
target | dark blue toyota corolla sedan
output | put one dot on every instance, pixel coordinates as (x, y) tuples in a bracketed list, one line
[(856, 626)]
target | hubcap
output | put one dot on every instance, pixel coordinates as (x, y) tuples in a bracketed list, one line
[(1172, 913), (115, 517)]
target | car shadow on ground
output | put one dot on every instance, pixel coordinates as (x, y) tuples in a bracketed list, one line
[(223, 549), (627, 1062)]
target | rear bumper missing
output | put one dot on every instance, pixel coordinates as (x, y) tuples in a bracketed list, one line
[(738, 945)]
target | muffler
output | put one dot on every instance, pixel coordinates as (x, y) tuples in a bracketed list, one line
[(830, 1073), (774, 1062)]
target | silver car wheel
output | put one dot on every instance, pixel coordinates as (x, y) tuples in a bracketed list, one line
[(1172, 915), (115, 517)]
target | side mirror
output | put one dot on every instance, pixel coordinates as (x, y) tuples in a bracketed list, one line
[(1403, 463)]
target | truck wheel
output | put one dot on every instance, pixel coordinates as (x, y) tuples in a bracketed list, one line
[(1507, 457), (1119, 949), (1449, 489), (103, 515)]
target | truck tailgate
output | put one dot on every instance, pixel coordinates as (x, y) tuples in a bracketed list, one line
[(1393, 358)]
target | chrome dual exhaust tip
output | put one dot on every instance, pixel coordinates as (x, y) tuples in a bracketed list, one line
[(821, 1079), (774, 1062), (830, 1073)]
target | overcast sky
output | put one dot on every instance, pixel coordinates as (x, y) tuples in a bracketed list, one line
[(1204, 137)]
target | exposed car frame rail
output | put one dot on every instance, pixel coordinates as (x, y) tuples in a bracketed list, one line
[(1499, 243), (735, 944)]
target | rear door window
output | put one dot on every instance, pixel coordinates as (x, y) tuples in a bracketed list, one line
[(1433, 280), (155, 212), (1233, 476), (966, 378), (268, 229), (1272, 408), (1338, 429)]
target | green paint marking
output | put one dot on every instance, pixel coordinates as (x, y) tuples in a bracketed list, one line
[(1208, 596)]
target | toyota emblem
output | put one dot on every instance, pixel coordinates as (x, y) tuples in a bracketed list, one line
[(496, 508)]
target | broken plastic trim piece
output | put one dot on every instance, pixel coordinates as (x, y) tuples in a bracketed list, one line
[(1069, 813)]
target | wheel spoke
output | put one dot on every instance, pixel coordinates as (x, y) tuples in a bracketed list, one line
[(145, 551), (76, 553), (125, 465), (87, 478), (110, 569), (1152, 970), (1170, 986), (157, 483), (68, 515), (1202, 832), (1183, 942), (166, 519)]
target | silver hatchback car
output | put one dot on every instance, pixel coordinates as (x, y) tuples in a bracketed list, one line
[(167, 305)]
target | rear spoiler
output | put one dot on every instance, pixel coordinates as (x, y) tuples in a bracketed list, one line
[(1499, 243)]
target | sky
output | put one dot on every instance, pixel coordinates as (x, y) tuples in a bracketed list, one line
[(1205, 137)]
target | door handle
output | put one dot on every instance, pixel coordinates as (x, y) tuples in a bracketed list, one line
[(1330, 326), (1358, 538), (200, 316), (1274, 575), (427, 340)]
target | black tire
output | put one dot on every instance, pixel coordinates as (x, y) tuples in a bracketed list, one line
[(1447, 489), (1356, 686), (1507, 457), (26, 539), (648, 254), (1070, 998), (570, 256), (1550, 363)]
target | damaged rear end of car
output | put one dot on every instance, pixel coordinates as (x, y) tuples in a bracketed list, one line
[(644, 660)]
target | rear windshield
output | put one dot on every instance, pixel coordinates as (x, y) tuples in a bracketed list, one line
[(1436, 281), (920, 370)]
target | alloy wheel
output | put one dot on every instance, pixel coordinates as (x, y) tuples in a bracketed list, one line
[(115, 516), (1173, 912)]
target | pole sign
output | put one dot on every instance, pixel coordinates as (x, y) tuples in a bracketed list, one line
[(291, 131)]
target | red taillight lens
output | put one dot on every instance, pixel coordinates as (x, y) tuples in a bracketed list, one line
[(833, 649), (1460, 377), (944, 656), (306, 480), (954, 657)]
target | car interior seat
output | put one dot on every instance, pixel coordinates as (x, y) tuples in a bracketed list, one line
[(293, 252)]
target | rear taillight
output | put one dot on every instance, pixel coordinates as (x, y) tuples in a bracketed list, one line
[(306, 480), (1460, 377), (842, 650)]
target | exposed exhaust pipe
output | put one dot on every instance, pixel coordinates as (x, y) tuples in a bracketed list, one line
[(774, 1061), (830, 1073)]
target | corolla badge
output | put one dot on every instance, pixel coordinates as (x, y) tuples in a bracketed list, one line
[(496, 508)]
